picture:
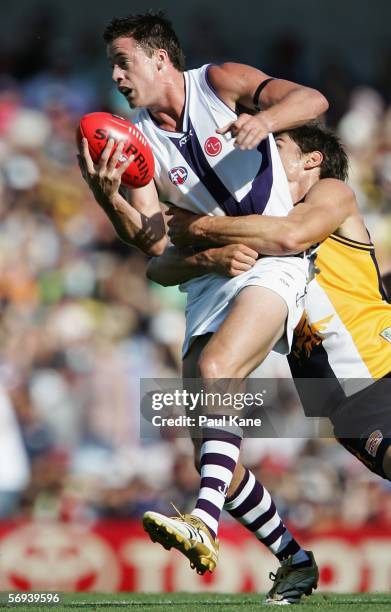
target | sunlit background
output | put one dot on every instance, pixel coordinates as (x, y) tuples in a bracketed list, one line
[(80, 324)]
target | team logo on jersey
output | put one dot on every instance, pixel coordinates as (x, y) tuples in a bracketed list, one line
[(212, 146), (386, 334), (374, 442), (178, 175)]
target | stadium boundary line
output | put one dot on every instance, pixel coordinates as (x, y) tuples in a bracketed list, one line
[(82, 604), (307, 602)]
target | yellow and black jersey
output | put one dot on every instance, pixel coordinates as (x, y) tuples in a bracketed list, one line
[(345, 331)]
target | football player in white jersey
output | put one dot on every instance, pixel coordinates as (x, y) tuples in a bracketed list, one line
[(210, 160)]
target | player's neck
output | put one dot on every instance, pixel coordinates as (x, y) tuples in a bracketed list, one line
[(168, 111), (299, 188)]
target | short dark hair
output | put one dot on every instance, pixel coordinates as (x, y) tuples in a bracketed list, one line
[(152, 31), (315, 137)]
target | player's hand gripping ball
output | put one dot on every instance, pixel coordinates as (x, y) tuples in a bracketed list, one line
[(97, 128)]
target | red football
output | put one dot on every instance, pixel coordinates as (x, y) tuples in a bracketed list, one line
[(99, 127)]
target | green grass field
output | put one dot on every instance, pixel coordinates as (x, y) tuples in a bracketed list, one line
[(196, 602)]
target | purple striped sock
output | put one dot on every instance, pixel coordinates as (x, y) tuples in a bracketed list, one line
[(219, 456), (252, 506)]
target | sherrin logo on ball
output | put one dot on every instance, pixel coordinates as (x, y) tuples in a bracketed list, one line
[(97, 128)]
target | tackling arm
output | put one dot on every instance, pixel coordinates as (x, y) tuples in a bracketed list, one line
[(177, 266), (327, 205)]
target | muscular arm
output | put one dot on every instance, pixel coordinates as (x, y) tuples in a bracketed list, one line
[(284, 104), (328, 204), (137, 218), (177, 266)]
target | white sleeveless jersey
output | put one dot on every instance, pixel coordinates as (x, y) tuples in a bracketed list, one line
[(203, 172)]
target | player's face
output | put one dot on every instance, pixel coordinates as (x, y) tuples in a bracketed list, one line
[(133, 71), (291, 156)]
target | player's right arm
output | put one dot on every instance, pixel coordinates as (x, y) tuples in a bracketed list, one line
[(177, 266), (281, 105), (137, 220)]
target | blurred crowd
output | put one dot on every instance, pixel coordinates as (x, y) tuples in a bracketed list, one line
[(80, 324)]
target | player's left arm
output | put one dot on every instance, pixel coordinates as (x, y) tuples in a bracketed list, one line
[(327, 205), (283, 105)]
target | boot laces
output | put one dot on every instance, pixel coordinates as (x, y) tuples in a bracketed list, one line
[(179, 513), (282, 571)]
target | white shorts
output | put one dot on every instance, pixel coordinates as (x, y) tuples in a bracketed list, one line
[(210, 297)]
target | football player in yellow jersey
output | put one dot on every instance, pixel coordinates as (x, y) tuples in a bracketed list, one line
[(346, 334)]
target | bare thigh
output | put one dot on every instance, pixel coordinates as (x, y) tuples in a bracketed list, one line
[(254, 324)]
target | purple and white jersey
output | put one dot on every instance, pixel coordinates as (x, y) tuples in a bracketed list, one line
[(202, 171)]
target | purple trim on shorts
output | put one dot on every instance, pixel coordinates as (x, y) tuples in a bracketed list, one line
[(290, 549), (254, 202), (218, 459), (262, 519), (274, 535), (212, 435), (240, 487), (252, 500)]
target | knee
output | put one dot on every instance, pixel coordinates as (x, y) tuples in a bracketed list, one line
[(387, 463), (212, 366), (209, 366)]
